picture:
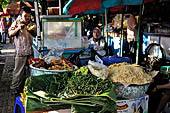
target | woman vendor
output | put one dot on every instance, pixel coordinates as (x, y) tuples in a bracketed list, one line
[(98, 44)]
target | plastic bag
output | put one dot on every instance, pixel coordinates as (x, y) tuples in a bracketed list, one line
[(85, 41), (98, 69), (54, 53), (75, 59), (96, 65)]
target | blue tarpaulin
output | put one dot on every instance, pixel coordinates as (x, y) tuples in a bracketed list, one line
[(113, 3)]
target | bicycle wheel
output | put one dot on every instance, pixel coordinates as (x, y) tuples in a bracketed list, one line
[(155, 57)]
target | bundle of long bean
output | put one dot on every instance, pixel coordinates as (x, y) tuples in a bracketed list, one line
[(79, 82)]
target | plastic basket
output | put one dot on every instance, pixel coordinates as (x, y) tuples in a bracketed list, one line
[(115, 59)]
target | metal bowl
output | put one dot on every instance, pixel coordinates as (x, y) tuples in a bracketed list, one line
[(131, 91), (37, 71)]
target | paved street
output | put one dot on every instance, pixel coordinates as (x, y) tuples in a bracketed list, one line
[(6, 68)]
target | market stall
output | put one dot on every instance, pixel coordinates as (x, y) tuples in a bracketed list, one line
[(61, 32), (55, 86), (76, 90), (97, 88)]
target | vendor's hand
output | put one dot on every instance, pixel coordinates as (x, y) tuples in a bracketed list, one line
[(96, 47), (21, 26), (156, 88)]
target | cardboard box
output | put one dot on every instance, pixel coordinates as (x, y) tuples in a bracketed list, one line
[(133, 105)]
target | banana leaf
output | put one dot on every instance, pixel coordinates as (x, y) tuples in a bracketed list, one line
[(52, 85), (79, 103)]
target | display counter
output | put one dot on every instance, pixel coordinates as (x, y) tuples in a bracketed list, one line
[(40, 88)]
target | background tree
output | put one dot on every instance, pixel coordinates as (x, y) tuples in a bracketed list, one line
[(4, 3)]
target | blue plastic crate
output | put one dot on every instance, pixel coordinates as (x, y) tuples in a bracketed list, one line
[(115, 59)]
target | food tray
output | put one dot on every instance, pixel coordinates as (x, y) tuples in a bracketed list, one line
[(37, 71)]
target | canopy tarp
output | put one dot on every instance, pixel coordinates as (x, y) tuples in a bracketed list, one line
[(97, 6), (26, 0)]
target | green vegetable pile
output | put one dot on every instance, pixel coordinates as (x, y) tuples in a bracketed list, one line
[(78, 88), (85, 83), (81, 82), (68, 84)]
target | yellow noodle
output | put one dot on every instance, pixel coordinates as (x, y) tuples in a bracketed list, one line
[(128, 74)]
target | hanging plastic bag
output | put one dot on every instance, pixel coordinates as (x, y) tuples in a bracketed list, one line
[(85, 42)]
